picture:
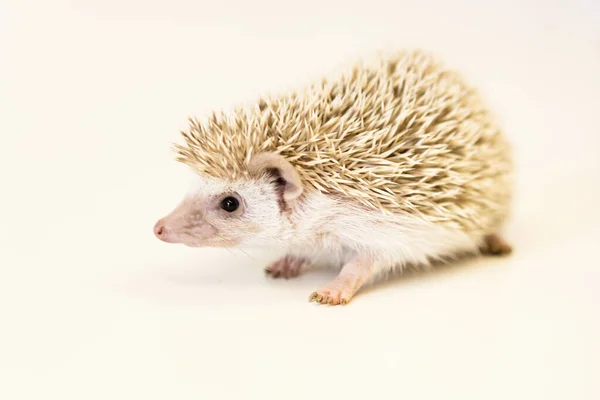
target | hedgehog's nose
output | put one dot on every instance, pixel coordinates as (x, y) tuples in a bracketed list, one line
[(159, 230), (164, 234)]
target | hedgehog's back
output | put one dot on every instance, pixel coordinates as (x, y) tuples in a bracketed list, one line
[(400, 133)]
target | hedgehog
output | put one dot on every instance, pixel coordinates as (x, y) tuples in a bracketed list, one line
[(390, 162)]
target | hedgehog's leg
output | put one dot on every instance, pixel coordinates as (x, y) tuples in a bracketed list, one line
[(350, 279), (286, 267), (495, 245)]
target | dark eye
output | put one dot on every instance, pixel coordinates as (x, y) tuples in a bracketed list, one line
[(230, 204)]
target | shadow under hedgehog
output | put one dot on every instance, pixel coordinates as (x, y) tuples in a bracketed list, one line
[(393, 161)]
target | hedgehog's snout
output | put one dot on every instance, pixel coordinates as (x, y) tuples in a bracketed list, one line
[(160, 231), (168, 232), (185, 225)]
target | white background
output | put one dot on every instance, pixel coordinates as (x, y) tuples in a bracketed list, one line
[(93, 92)]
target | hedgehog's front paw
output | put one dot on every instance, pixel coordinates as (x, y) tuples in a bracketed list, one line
[(337, 292), (286, 267), (331, 296), (343, 288)]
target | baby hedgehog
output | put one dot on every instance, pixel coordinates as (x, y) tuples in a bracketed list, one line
[(393, 162)]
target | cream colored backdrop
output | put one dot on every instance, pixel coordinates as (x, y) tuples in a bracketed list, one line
[(94, 307)]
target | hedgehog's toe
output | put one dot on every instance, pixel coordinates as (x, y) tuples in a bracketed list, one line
[(332, 297)]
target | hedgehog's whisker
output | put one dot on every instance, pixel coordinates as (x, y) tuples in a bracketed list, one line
[(242, 250), (249, 256)]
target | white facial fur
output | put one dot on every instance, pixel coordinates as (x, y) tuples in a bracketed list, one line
[(200, 221)]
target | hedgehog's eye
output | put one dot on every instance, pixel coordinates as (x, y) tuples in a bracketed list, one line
[(230, 204)]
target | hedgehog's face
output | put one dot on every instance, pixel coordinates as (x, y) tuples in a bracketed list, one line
[(245, 212)]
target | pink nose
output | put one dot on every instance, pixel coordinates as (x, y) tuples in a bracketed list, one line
[(159, 230)]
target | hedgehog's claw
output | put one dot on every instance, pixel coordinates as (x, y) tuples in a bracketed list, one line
[(327, 296)]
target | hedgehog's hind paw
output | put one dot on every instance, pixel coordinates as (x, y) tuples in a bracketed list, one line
[(495, 245)]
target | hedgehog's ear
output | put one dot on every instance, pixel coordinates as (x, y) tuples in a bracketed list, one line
[(281, 169)]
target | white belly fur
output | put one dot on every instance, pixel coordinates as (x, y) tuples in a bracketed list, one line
[(330, 233)]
